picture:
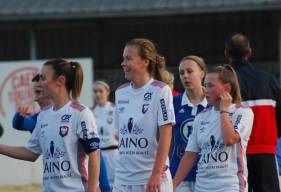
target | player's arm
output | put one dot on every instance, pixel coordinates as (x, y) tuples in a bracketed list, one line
[(161, 156), (229, 135), (94, 171), (18, 153), (188, 160)]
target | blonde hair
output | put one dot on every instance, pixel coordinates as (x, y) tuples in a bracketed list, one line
[(148, 51), (227, 75)]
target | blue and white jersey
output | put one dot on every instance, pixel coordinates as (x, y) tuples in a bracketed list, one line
[(139, 114), (185, 113), (221, 168), (64, 137)]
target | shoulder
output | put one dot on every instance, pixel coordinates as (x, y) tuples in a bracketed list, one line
[(77, 106), (46, 108), (205, 111), (112, 105), (244, 110), (177, 99), (123, 86), (158, 84)]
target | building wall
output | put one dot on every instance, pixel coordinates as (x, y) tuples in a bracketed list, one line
[(175, 37)]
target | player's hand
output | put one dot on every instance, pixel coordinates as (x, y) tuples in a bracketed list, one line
[(25, 110), (225, 101), (153, 184)]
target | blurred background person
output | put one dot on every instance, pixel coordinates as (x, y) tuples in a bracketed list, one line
[(262, 92), (192, 70), (25, 118), (169, 78), (104, 113)]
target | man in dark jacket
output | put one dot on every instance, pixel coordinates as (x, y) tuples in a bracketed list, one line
[(260, 91)]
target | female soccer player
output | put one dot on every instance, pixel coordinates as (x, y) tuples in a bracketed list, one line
[(104, 114), (144, 117), (65, 133), (192, 70), (220, 135)]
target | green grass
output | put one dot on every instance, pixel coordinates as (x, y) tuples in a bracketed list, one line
[(24, 188)]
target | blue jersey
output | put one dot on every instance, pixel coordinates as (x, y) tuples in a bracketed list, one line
[(185, 113), (24, 123), (28, 124)]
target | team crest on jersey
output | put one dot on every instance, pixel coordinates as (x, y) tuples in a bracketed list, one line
[(65, 118), (186, 129), (109, 120), (131, 128), (145, 108), (110, 113), (64, 130), (147, 96)]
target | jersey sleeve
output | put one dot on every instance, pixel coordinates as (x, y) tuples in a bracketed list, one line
[(192, 144), (242, 122), (165, 109), (33, 143), (87, 131)]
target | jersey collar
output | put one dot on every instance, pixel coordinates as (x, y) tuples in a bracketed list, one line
[(186, 101)]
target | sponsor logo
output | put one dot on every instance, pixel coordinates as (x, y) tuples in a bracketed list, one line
[(120, 110), (110, 113), (44, 125), (164, 109), (147, 96), (181, 111), (213, 154), (123, 101), (237, 121), (65, 118), (204, 122), (94, 145), (55, 167), (63, 130), (84, 130), (132, 139), (145, 108)]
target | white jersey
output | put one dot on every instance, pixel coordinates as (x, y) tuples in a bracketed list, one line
[(221, 168), (106, 128), (139, 114), (56, 136)]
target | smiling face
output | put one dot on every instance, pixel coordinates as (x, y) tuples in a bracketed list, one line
[(133, 65), (214, 88), (191, 74)]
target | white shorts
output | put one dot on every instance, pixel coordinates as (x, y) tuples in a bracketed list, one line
[(110, 161), (186, 186), (166, 185)]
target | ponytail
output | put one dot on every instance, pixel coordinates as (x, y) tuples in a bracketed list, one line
[(73, 73)]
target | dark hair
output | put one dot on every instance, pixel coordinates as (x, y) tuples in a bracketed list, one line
[(237, 45), (227, 75), (36, 78), (72, 71), (148, 51)]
